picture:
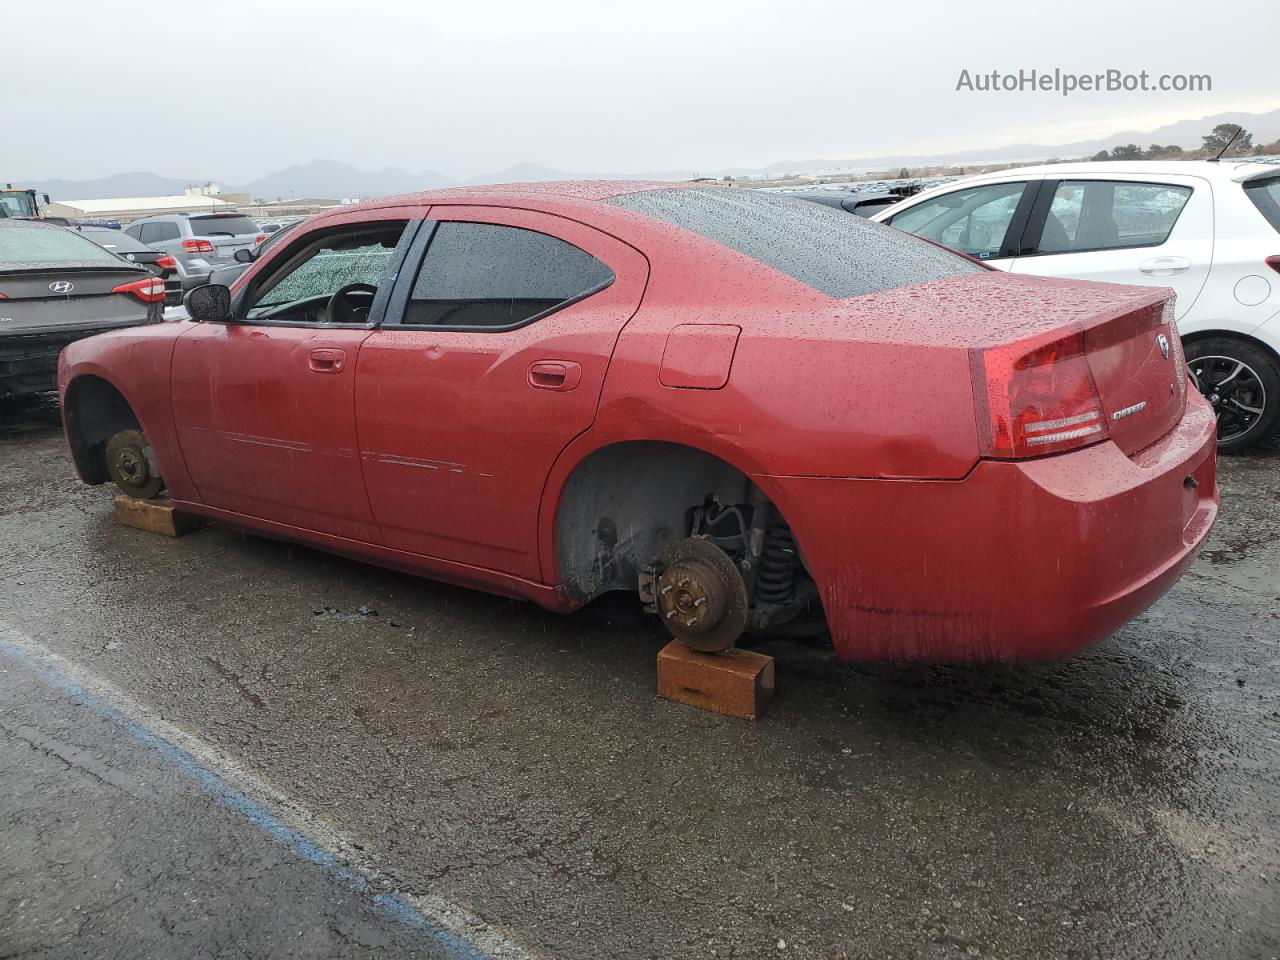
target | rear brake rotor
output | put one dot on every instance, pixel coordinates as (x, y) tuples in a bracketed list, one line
[(701, 596)]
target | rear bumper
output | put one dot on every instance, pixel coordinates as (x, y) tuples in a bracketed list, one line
[(29, 362), (1025, 561)]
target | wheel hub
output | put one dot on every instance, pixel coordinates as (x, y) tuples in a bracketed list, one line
[(691, 594), (701, 597), (132, 467)]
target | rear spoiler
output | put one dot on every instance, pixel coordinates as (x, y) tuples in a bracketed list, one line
[(1263, 167)]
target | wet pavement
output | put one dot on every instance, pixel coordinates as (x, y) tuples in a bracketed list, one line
[(472, 754)]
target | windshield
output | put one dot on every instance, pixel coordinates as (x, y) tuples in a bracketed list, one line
[(830, 250), (17, 204), (39, 243)]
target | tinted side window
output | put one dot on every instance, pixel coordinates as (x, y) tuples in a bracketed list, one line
[(135, 231), (485, 276), (149, 232), (168, 231), (1108, 215), (973, 221)]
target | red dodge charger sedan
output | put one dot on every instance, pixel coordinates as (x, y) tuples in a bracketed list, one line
[(759, 413)]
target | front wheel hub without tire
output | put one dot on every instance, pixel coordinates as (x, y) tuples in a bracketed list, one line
[(129, 466), (701, 597)]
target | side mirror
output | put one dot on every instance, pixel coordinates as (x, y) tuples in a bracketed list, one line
[(244, 255), (209, 302)]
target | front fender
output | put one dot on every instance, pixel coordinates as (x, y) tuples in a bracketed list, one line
[(137, 364)]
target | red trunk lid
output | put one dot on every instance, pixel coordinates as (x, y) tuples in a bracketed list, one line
[(1053, 343), (1136, 360)]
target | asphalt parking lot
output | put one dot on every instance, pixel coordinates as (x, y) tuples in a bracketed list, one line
[(227, 746)]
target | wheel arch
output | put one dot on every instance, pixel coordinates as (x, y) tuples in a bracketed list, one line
[(1214, 332), (94, 409), (610, 507)]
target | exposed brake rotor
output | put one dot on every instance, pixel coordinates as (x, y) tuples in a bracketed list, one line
[(700, 594)]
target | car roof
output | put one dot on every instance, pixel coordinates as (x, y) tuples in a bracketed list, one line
[(17, 223), (1211, 170), (568, 189), (1235, 169), (193, 214), (572, 191)]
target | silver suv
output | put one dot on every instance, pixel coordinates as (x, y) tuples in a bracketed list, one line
[(199, 242)]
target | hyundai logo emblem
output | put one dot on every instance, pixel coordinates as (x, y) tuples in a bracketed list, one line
[(62, 286), (1163, 341)]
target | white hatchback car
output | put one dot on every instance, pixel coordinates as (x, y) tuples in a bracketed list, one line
[(1210, 230)]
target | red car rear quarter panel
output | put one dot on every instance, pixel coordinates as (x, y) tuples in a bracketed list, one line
[(1030, 560), (138, 362), (869, 387)]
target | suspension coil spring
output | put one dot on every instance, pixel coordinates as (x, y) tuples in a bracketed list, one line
[(776, 576)]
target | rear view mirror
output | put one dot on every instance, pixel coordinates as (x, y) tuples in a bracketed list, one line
[(209, 302), (244, 255)]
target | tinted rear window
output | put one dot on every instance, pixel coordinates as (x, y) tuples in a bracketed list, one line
[(216, 226), (830, 250), (1265, 195), (32, 243)]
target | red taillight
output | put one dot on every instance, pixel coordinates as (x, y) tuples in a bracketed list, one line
[(259, 238), (1274, 263), (150, 290), (166, 262), (1039, 399), (197, 246)]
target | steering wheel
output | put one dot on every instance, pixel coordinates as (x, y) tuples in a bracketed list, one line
[(339, 309)]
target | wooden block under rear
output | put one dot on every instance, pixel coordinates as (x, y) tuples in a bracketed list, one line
[(156, 516), (738, 683)]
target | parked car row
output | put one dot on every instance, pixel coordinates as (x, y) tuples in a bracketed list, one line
[(198, 242), (122, 244), (52, 278), (57, 286)]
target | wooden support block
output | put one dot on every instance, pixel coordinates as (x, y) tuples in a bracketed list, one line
[(156, 516), (738, 683)]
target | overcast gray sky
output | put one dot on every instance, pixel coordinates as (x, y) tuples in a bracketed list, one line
[(235, 88)]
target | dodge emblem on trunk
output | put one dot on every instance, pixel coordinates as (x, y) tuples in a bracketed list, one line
[(62, 286), (1164, 345)]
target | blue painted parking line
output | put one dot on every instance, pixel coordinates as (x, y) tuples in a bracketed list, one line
[(52, 669)]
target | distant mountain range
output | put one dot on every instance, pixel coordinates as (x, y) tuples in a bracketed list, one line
[(331, 178)]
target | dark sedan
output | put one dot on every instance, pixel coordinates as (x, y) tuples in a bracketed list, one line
[(135, 251), (56, 286)]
